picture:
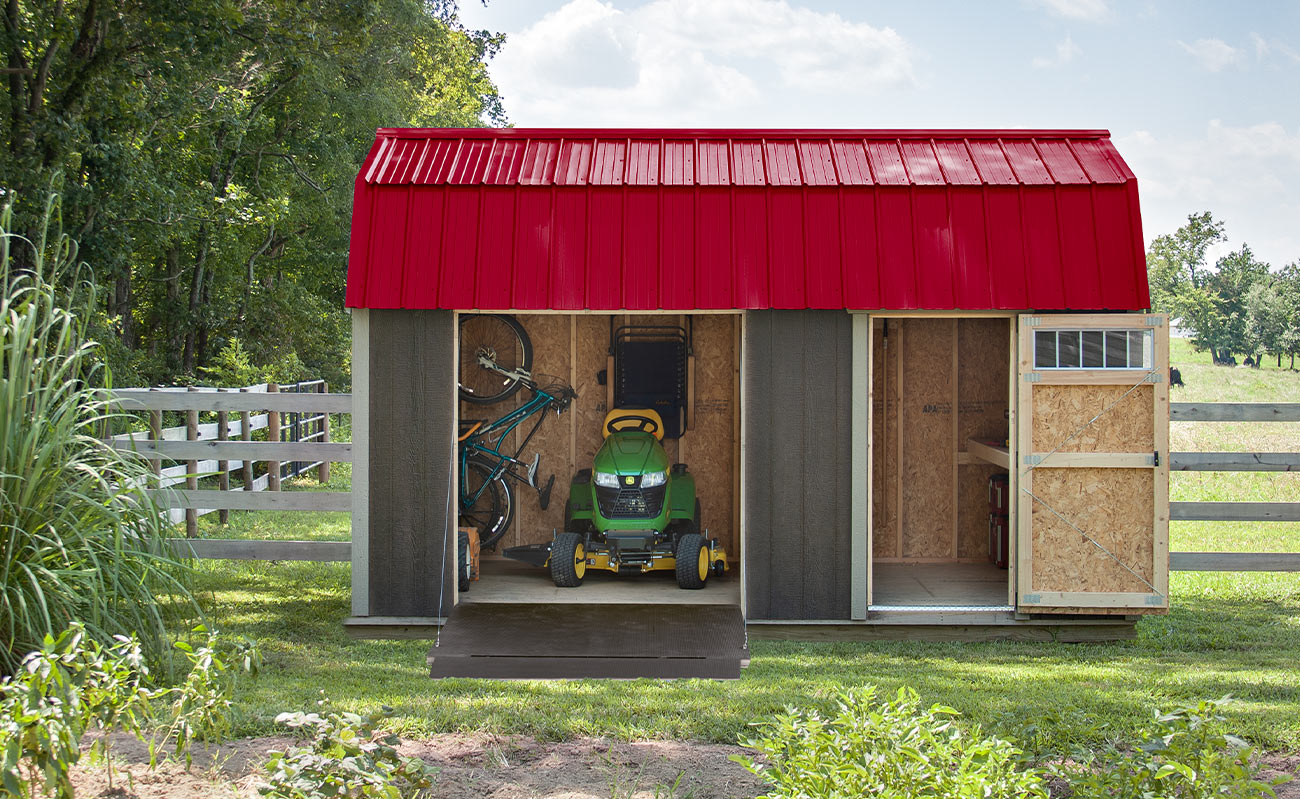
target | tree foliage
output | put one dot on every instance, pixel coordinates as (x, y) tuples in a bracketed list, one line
[(1236, 306), (206, 152)]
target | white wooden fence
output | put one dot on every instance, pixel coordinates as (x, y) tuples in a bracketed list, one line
[(1234, 462), (300, 413)]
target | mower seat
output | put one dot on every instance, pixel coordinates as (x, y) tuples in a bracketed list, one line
[(618, 419)]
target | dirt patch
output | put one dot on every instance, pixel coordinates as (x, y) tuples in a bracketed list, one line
[(482, 766), (475, 766)]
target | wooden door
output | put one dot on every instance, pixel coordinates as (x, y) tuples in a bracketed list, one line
[(1093, 464)]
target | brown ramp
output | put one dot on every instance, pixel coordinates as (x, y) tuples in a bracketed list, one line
[(529, 641)]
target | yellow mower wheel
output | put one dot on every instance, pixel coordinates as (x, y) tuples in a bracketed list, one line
[(692, 561), (568, 560)]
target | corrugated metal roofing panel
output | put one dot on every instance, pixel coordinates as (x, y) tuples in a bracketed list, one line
[(679, 163), (574, 163), (887, 164), (1025, 162), (643, 163), (782, 163), (818, 163), (991, 162), (539, 162), (851, 163), (956, 162), (1061, 163), (922, 165), (644, 219), (748, 163), (607, 163), (715, 163)]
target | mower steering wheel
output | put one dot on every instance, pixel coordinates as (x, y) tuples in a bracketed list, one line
[(644, 424)]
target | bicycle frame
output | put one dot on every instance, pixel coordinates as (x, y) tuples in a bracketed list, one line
[(487, 441)]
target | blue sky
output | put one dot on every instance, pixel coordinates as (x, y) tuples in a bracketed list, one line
[(1203, 99)]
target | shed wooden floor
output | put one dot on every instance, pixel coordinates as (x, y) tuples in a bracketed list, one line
[(505, 580), (938, 585)]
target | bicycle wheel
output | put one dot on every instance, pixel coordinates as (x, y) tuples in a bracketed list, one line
[(494, 508), (501, 338)]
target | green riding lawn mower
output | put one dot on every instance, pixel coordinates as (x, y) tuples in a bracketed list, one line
[(632, 511)]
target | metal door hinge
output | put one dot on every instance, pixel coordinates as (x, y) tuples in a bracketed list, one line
[(1154, 377), (1033, 460), (1156, 321), (1033, 377), (1031, 599), (1155, 599), (1032, 321)]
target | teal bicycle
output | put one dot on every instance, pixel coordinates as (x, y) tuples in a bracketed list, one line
[(487, 468)]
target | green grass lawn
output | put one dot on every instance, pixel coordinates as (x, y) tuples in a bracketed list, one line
[(1225, 634)]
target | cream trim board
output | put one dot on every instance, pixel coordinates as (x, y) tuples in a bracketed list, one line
[(860, 485), (360, 462)]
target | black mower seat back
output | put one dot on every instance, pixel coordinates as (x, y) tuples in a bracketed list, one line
[(650, 372)]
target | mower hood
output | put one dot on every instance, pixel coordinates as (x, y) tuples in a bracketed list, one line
[(632, 453)]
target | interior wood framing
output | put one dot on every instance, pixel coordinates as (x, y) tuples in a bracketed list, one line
[(938, 380), (574, 347), (1097, 476)]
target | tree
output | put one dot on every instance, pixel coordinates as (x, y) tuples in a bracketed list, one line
[(1267, 320), (1209, 301), (208, 149)]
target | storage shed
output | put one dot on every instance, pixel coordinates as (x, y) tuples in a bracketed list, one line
[(883, 322)]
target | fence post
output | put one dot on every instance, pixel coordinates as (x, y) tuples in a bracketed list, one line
[(273, 434), (223, 466), (246, 434), (155, 433), (191, 471), (323, 471)]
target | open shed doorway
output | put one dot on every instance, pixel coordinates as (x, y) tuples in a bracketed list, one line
[(941, 400), (575, 348)]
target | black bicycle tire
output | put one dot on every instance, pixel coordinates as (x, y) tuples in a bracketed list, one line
[(525, 362), (501, 510)]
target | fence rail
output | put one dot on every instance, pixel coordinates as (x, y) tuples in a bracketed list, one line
[(296, 421), (1234, 462)]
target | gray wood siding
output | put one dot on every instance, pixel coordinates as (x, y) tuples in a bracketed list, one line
[(412, 388), (798, 367)]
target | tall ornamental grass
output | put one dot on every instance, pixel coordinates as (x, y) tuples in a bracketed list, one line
[(81, 540)]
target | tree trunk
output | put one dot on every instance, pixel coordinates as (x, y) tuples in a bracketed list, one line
[(121, 308), (197, 278), (171, 321)]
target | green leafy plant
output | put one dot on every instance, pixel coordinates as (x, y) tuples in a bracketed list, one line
[(73, 684), (200, 704), (1185, 755), (893, 748), (347, 756), (80, 536)]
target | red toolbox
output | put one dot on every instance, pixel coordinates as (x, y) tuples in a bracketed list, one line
[(999, 539), (1000, 493)]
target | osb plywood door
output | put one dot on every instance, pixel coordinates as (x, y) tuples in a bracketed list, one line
[(1094, 468)]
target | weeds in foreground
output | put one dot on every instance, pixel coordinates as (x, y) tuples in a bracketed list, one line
[(73, 684)]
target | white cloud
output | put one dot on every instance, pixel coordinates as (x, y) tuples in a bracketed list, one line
[(689, 62), (1086, 10), (1265, 49), (1213, 54), (1248, 177), (1066, 50)]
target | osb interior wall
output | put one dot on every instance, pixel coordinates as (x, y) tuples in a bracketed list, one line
[(1114, 507), (936, 383), (574, 348)]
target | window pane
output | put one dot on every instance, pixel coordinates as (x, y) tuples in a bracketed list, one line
[(1092, 349), (1135, 359), (1116, 349), (1067, 349), (1045, 349)]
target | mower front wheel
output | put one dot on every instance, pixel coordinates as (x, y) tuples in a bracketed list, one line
[(692, 561), (568, 560)]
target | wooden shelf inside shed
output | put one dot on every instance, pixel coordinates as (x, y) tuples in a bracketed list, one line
[(990, 452)]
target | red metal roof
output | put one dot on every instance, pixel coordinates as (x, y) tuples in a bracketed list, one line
[(533, 219)]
